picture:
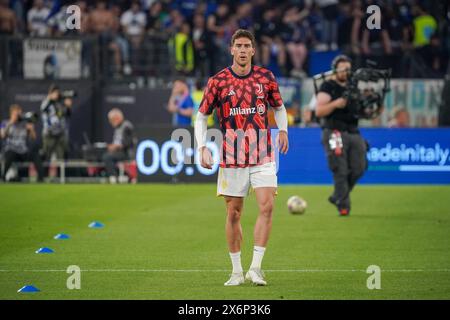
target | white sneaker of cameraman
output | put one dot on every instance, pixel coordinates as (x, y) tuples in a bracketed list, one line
[(256, 276), (235, 279)]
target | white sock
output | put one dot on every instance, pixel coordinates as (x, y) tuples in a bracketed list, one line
[(236, 261), (258, 254)]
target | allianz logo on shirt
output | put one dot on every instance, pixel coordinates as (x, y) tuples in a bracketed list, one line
[(260, 109)]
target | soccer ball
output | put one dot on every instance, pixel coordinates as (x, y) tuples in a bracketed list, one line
[(296, 205)]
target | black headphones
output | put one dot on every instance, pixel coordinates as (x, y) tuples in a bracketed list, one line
[(338, 59)]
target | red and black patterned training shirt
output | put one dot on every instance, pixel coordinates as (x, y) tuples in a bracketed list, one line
[(242, 104)]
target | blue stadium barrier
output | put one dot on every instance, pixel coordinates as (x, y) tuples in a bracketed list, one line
[(396, 156), (320, 61)]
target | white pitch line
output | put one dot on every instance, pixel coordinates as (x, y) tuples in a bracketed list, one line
[(217, 270)]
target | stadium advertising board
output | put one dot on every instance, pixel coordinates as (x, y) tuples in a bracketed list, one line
[(52, 59), (396, 156), (166, 155)]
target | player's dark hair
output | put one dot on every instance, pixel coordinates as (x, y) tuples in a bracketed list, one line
[(242, 33)]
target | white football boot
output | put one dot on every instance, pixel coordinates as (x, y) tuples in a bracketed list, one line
[(256, 276), (235, 279)]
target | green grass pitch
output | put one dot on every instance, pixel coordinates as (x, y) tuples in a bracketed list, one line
[(165, 241)]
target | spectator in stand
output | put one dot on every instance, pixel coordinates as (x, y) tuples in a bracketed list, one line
[(259, 7), (106, 23), (18, 7), (133, 22), (102, 19), (376, 42), (146, 4), (8, 21), (349, 27), (102, 22), (173, 22), (424, 26), (244, 16), (434, 57), (216, 25), (37, 19), (315, 22), (419, 33), (273, 50), (85, 21), (181, 104), (330, 12), (186, 7), (400, 118), (295, 34), (201, 9), (397, 30), (155, 18), (201, 43), (119, 39), (184, 50)]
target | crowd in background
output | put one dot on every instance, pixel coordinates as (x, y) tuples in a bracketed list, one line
[(199, 31)]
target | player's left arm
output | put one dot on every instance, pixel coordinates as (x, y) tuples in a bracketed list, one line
[(276, 102), (207, 105)]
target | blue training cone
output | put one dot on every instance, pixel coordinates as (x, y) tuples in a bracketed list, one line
[(61, 236), (96, 224), (27, 289), (44, 250)]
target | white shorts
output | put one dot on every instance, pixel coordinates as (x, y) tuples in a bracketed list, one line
[(236, 182)]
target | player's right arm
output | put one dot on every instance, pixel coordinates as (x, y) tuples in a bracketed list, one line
[(200, 130), (206, 107)]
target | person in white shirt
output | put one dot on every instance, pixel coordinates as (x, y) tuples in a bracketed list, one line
[(133, 22), (37, 19)]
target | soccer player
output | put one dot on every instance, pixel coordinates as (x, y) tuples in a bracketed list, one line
[(241, 95)]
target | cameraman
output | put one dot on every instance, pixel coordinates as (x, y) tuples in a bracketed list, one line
[(18, 134), (344, 146), (55, 112)]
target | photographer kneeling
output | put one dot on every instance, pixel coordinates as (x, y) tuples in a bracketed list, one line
[(55, 112), (344, 146), (19, 134)]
